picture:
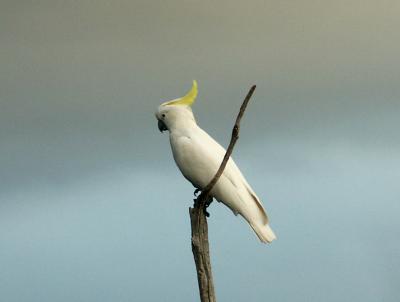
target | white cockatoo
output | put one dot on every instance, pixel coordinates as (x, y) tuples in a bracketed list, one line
[(199, 156)]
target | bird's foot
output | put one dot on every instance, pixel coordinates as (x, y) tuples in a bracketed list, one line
[(197, 197), (208, 202), (196, 192), (206, 205)]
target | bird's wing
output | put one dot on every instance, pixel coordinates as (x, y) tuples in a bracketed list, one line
[(199, 157), (233, 173)]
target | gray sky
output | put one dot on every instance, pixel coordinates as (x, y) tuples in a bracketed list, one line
[(92, 207)]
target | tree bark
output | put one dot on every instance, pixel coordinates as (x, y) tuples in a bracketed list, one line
[(200, 245), (201, 253)]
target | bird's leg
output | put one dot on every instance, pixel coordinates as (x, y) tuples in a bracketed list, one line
[(206, 202)]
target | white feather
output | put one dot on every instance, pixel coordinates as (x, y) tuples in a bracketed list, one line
[(199, 156)]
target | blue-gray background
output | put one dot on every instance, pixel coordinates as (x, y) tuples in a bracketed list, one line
[(92, 207)]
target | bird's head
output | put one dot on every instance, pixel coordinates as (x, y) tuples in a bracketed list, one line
[(178, 112)]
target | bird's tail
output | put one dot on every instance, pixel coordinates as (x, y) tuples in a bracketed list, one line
[(264, 232)]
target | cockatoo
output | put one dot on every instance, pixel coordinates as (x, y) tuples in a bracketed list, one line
[(199, 156)]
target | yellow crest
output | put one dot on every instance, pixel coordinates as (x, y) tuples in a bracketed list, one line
[(187, 100)]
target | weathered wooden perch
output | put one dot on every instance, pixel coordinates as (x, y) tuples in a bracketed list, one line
[(200, 246)]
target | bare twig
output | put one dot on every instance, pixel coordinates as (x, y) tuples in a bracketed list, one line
[(200, 246)]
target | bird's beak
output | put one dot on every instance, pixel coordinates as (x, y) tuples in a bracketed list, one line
[(161, 126)]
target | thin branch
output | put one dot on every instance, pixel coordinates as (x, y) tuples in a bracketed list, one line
[(234, 138), (198, 220)]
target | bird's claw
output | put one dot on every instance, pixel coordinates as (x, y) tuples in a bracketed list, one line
[(196, 192), (206, 203)]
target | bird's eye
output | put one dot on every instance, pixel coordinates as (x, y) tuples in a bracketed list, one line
[(163, 115)]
